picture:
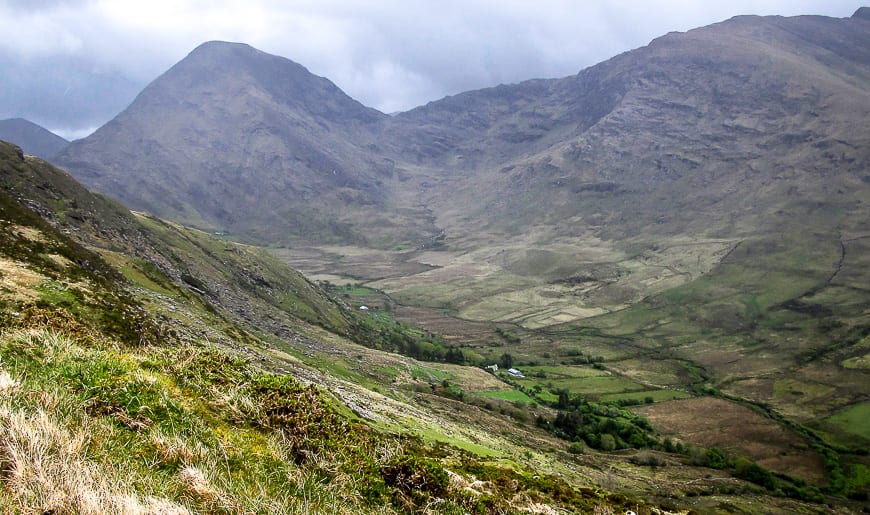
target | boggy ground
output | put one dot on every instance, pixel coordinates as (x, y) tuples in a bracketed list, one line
[(712, 422)]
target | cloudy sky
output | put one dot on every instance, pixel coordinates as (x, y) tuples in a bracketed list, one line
[(72, 64)]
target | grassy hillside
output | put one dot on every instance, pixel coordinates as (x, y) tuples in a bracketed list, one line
[(89, 425), (132, 394)]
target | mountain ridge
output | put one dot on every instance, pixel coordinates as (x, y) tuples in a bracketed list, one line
[(327, 149)]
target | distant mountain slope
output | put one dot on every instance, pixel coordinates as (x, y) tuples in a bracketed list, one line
[(670, 132), (232, 139), (235, 140), (35, 140)]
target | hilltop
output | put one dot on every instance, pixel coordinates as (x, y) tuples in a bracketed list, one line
[(34, 139)]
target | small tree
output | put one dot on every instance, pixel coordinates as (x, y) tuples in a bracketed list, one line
[(506, 361), (564, 400)]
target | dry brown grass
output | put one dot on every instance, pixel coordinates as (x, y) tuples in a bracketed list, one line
[(174, 449), (711, 422), (39, 327), (17, 282), (197, 484), (45, 468), (28, 233)]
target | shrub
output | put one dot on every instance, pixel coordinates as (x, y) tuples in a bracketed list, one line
[(647, 459), (415, 479), (714, 458), (745, 469)]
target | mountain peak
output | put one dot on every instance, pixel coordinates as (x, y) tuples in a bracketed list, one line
[(221, 45), (232, 50), (862, 13), (217, 64), (226, 109), (220, 56)]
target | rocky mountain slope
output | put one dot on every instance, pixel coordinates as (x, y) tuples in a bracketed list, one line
[(746, 108), (236, 140), (750, 127), (687, 122), (34, 139), (244, 281)]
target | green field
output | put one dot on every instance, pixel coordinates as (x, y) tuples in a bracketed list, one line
[(429, 374), (507, 395), (854, 420), (356, 290), (578, 380)]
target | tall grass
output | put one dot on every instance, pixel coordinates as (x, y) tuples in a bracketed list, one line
[(46, 468)]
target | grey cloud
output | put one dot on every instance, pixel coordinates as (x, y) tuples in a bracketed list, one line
[(32, 6), (390, 54)]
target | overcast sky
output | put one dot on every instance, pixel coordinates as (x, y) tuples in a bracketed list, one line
[(388, 54)]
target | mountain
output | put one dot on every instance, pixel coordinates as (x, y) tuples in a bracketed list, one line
[(235, 140), (229, 130), (672, 124), (32, 138), (704, 138), (672, 247), (701, 138)]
